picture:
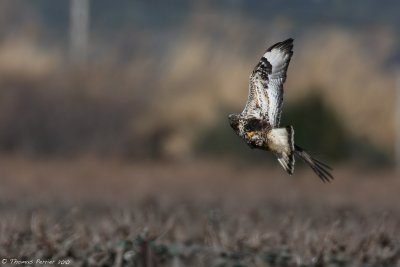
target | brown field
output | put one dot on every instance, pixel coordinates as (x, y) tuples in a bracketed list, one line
[(101, 212)]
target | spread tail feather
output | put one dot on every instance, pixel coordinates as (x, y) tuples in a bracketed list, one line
[(321, 169), (281, 142)]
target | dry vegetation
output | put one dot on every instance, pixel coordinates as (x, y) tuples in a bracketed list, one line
[(109, 213)]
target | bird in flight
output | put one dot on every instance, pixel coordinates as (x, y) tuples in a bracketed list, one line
[(258, 124)]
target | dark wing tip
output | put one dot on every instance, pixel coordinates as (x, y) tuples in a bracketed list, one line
[(286, 45)]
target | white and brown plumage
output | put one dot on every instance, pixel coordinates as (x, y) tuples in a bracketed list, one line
[(258, 124)]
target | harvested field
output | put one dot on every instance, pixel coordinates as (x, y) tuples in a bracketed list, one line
[(97, 212)]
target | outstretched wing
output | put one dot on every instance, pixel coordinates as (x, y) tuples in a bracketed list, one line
[(257, 102), (266, 83), (278, 56)]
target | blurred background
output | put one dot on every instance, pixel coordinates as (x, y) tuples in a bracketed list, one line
[(112, 104), (153, 80)]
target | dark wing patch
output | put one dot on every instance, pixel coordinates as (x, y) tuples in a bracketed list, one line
[(263, 68)]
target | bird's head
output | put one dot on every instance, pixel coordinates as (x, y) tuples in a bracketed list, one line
[(234, 121)]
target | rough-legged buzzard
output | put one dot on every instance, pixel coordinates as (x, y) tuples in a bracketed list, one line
[(258, 124)]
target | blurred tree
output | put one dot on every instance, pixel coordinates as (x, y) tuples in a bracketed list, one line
[(320, 129), (317, 127)]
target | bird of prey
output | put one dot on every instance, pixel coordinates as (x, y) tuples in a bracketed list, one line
[(258, 124)]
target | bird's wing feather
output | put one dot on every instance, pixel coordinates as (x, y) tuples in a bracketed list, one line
[(278, 56), (266, 83), (257, 102)]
